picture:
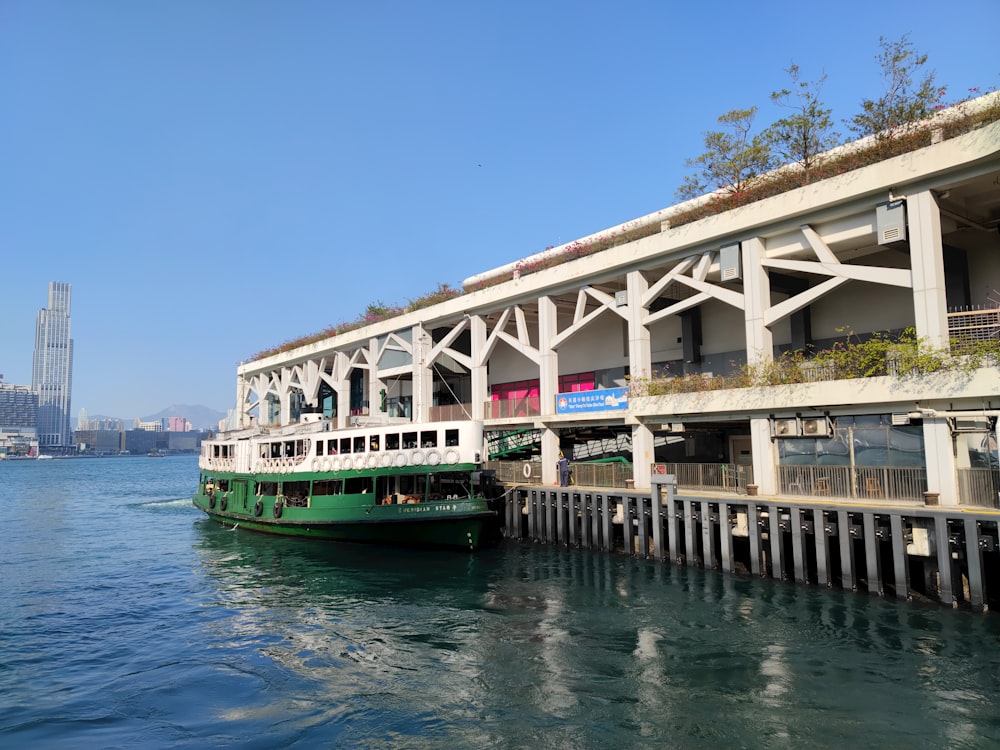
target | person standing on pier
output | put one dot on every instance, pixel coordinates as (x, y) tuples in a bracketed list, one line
[(563, 466)]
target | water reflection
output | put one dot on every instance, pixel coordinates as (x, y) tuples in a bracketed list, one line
[(502, 646)]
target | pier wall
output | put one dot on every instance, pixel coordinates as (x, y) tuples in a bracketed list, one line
[(918, 552)]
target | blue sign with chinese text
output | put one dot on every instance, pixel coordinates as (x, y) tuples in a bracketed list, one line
[(605, 399)]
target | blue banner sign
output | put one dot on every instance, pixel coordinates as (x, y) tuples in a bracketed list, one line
[(605, 399)]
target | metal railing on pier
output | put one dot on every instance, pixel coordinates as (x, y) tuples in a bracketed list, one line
[(904, 483)]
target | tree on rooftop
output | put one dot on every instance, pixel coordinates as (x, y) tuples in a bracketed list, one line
[(733, 160), (904, 100), (807, 132)]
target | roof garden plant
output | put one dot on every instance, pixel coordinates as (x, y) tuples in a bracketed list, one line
[(902, 355)]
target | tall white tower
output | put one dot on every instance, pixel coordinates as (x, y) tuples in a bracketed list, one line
[(52, 372)]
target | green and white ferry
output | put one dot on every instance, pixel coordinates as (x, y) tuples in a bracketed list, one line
[(405, 484)]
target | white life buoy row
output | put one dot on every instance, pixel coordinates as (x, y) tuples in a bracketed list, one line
[(399, 459)]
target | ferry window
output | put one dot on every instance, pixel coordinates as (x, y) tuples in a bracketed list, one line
[(215, 451), (345, 445), (451, 437), (289, 449), (222, 485), (266, 488), (359, 444), (409, 440), (331, 447), (326, 487), (275, 450), (263, 451), (373, 443), (392, 442), (296, 493), (358, 486), (299, 448), (429, 438)]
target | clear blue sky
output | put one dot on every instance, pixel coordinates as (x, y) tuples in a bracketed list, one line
[(217, 177)]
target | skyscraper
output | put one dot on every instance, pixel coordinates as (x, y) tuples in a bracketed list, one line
[(52, 372)]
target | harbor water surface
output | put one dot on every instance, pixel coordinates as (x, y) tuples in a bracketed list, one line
[(127, 619)]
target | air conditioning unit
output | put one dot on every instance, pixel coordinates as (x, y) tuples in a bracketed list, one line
[(816, 427), (890, 222), (900, 418), (729, 262), (786, 428)]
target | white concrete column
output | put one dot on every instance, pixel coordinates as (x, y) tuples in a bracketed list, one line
[(285, 395), (640, 364), (479, 375), (765, 456), (939, 450), (640, 355), (242, 396), (930, 301), (642, 455), (374, 383), (548, 374), (757, 295), (423, 374), (548, 384), (344, 402), (550, 454)]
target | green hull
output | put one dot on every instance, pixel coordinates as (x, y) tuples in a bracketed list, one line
[(457, 523)]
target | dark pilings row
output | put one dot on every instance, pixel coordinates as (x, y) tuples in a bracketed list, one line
[(905, 551)]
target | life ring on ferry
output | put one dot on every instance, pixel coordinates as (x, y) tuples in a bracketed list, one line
[(526, 470), (386, 460), (336, 464), (326, 464), (417, 458), (315, 464), (258, 508), (372, 461), (223, 502), (433, 458), (400, 459), (451, 456)]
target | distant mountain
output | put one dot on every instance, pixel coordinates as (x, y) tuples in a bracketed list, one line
[(200, 417)]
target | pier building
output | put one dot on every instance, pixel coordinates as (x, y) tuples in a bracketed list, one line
[(624, 349)]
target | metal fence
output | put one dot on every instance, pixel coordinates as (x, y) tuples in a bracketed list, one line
[(979, 487), (450, 413), (527, 406), (857, 483), (720, 477), (614, 474)]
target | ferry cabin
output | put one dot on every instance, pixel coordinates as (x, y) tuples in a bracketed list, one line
[(395, 464)]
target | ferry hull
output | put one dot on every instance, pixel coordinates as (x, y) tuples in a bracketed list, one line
[(459, 524)]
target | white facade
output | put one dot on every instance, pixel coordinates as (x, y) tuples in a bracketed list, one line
[(812, 265)]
